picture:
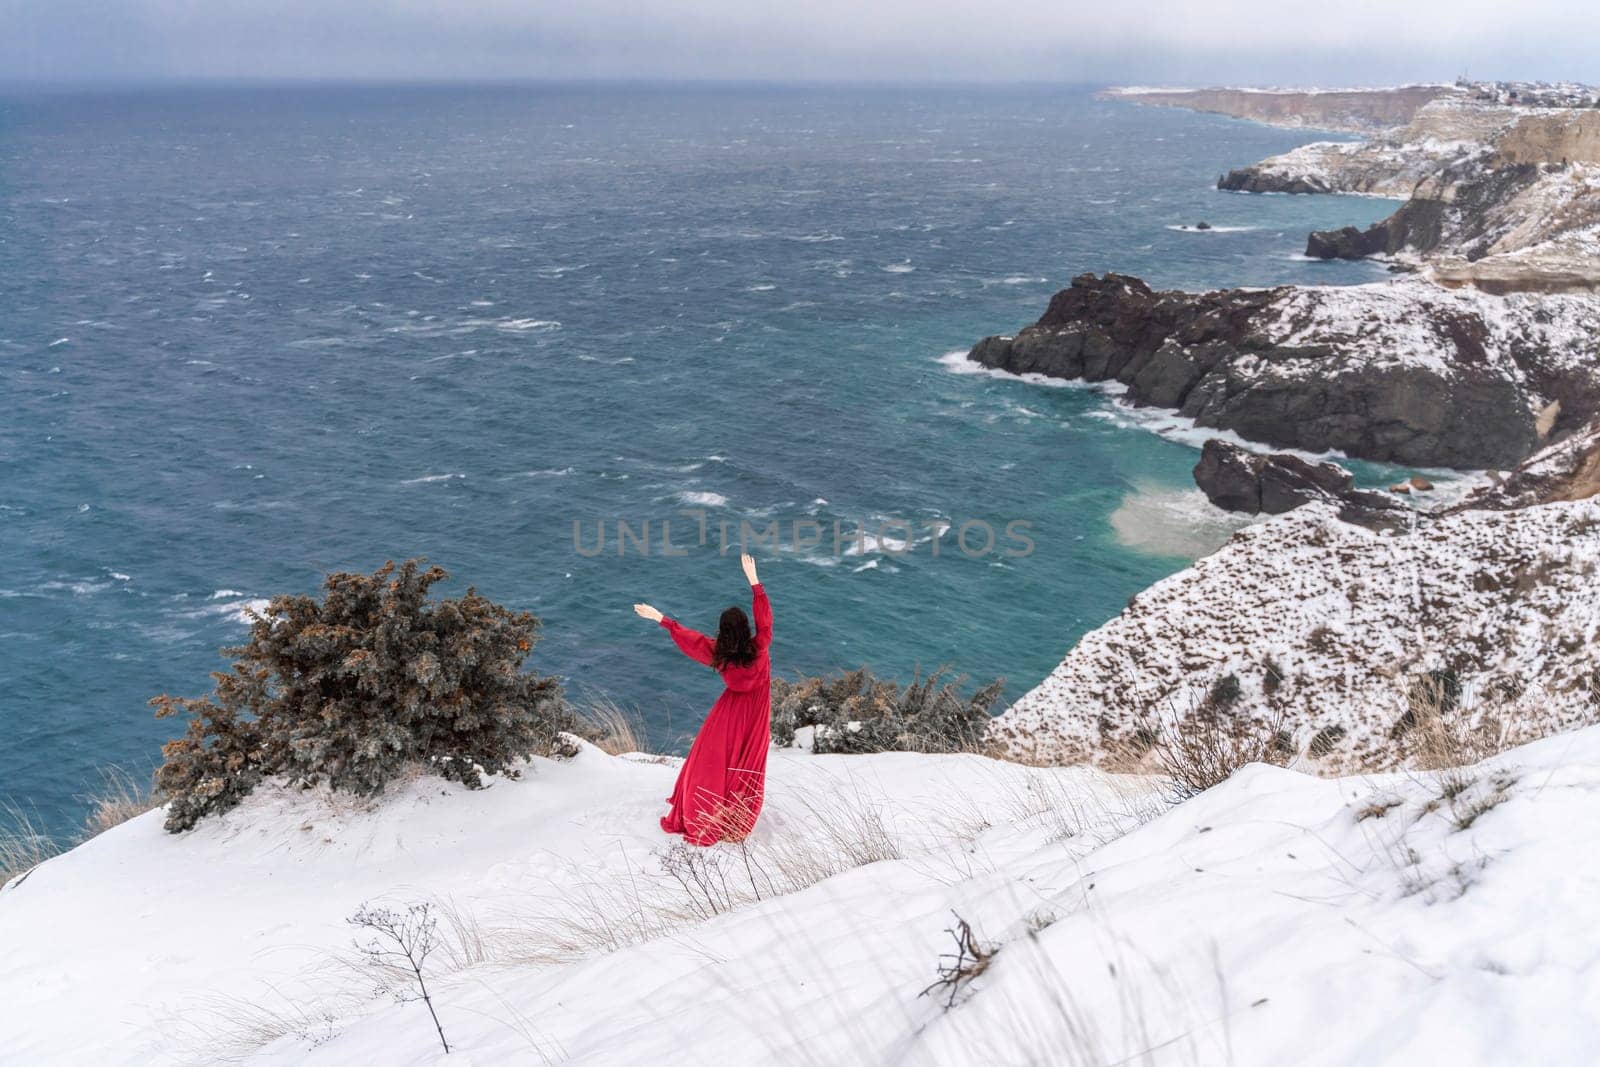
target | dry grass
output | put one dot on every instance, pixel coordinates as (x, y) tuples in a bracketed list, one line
[(121, 798), (610, 727), (229, 1029), (1204, 749), (675, 889), (23, 847)]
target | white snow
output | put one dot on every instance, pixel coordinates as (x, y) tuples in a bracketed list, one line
[(1348, 618), (1278, 918), (1406, 323)]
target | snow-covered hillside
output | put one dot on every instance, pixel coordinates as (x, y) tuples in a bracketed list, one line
[(1332, 625), (1278, 918)]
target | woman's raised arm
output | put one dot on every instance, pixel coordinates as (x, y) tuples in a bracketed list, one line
[(760, 608), (694, 644)]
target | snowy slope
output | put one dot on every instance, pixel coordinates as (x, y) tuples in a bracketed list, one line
[(1348, 618), (1277, 919), (140, 946)]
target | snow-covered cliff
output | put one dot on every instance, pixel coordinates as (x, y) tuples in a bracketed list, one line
[(1437, 918), (1332, 628)]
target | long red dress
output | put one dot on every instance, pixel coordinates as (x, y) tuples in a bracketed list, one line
[(718, 794)]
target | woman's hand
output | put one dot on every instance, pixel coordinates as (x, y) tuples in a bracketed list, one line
[(645, 611), (748, 562)]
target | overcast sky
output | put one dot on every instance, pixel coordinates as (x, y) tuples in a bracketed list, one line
[(1345, 42)]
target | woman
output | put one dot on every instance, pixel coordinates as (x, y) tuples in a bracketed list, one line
[(718, 794)]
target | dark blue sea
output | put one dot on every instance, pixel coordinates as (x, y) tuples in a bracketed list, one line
[(251, 336)]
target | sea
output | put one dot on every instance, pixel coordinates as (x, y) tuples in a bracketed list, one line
[(250, 336)]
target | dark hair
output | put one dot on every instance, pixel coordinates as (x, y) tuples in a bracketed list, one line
[(735, 646)]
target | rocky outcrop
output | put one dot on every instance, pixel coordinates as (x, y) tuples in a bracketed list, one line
[(1403, 372), (1254, 180), (1566, 470), (1236, 479), (1457, 209), (1348, 110)]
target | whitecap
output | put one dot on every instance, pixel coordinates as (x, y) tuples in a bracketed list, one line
[(958, 363), (258, 607), (520, 325), (899, 268), (431, 478), (223, 594), (548, 472), (703, 499)]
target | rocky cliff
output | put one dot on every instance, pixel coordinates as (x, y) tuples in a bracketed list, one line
[(1504, 198), (1350, 110), (1340, 636), (1443, 132), (1519, 213), (1404, 372)]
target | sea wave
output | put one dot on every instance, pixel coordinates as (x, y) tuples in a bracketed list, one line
[(957, 363), (1180, 523)]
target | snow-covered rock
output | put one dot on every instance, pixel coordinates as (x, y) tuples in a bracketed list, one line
[(1331, 626), (1404, 371)]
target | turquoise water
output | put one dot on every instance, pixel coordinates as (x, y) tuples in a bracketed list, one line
[(247, 337)]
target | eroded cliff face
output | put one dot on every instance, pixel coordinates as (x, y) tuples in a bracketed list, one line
[(1349, 110), (1566, 136), (1405, 372)]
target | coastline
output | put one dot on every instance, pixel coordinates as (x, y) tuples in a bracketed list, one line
[(1406, 364)]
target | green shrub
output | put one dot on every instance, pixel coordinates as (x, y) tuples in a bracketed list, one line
[(352, 689), (855, 712)]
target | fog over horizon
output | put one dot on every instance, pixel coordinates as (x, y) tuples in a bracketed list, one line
[(1146, 41)]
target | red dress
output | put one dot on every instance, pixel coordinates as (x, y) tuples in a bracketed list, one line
[(718, 794)]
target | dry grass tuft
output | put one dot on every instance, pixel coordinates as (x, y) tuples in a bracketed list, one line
[(230, 1029), (1206, 748), (23, 847), (610, 727), (121, 798)]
